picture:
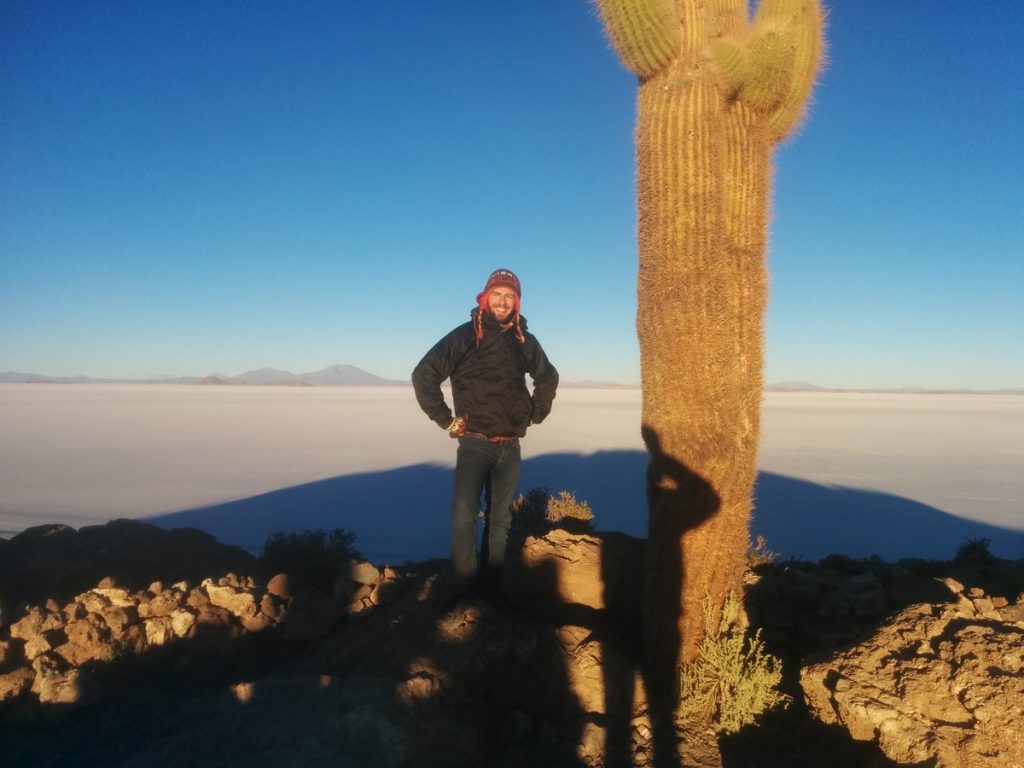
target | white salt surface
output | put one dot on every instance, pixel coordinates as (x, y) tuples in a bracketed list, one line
[(860, 474)]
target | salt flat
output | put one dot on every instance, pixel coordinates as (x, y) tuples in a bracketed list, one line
[(894, 475)]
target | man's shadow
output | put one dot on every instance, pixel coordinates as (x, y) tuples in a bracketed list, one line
[(679, 501)]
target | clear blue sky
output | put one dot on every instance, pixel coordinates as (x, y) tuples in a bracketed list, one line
[(193, 187)]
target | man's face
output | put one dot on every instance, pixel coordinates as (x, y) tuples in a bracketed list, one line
[(501, 301)]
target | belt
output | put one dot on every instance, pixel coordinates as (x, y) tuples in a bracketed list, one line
[(500, 439)]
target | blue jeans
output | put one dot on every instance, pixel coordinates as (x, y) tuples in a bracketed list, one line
[(482, 465)]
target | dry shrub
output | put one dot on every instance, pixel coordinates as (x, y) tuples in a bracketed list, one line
[(536, 513)]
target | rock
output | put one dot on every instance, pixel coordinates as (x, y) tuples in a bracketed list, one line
[(43, 642), (240, 603), (74, 611), (865, 594), (182, 622), (798, 586), (35, 622), (272, 607), (387, 591), (256, 623), (163, 604), (87, 639), (281, 586), (116, 596), (931, 687), (363, 573), (16, 683), (953, 585), (55, 682), (564, 573), (92, 602), (197, 598), (118, 619), (159, 631), (361, 599)]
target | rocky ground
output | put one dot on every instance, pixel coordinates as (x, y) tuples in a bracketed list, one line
[(124, 645)]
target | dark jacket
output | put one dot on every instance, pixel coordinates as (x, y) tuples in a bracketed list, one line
[(488, 380)]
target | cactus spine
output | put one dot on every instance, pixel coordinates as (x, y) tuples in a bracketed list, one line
[(717, 91)]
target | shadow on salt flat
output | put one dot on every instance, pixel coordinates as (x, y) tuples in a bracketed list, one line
[(402, 514)]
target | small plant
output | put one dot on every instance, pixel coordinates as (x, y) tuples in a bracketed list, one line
[(759, 557), (733, 680), (310, 558), (568, 513), (974, 552)]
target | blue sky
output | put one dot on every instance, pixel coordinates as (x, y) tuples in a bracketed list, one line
[(194, 187)]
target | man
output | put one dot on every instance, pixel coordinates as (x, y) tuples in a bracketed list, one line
[(486, 359)]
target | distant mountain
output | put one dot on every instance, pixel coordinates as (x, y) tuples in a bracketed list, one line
[(346, 376), (577, 383), (332, 376), (263, 376), (38, 378), (794, 386)]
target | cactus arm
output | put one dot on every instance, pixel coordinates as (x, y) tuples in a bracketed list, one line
[(731, 16), (732, 63), (802, 23), (645, 33)]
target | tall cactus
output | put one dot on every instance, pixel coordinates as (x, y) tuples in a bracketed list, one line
[(717, 91)]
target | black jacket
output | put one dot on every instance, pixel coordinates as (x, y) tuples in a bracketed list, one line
[(488, 380)]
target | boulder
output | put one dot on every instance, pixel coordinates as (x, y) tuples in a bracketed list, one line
[(281, 586), (16, 683), (363, 573), (182, 622), (56, 682), (236, 600), (35, 622), (88, 639), (159, 631), (938, 685)]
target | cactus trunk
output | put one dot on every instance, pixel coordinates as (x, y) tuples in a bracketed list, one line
[(707, 118)]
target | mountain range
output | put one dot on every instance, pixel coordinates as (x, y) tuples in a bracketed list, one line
[(332, 376)]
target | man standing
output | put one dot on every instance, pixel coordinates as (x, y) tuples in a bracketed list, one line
[(486, 359)]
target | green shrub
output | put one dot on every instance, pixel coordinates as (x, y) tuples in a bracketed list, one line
[(310, 558), (733, 680)]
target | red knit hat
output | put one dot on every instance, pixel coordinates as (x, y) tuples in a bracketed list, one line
[(498, 278), (501, 277)]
